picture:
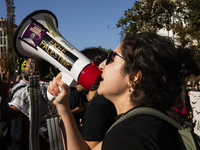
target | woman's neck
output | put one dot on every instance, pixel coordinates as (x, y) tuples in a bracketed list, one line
[(123, 104)]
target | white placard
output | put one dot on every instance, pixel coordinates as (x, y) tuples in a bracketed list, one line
[(195, 104)]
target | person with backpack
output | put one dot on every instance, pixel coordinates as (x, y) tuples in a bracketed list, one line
[(146, 70)]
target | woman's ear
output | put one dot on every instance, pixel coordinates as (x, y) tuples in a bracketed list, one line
[(137, 76)]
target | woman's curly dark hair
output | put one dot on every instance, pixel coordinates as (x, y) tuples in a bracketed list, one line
[(165, 68)]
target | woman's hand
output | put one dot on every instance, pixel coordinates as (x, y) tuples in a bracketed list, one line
[(62, 94)]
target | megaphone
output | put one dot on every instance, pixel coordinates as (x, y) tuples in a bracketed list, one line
[(38, 36)]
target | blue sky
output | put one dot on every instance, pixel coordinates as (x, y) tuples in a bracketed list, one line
[(84, 23)]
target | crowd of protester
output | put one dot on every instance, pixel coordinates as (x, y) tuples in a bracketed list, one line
[(93, 113), (182, 110), (15, 110)]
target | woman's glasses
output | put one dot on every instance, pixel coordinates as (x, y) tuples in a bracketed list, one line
[(111, 56)]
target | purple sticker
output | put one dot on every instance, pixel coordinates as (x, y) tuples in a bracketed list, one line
[(33, 34)]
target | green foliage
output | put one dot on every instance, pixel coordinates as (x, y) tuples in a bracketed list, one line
[(8, 26), (180, 16), (106, 50), (148, 15)]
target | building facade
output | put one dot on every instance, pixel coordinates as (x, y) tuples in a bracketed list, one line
[(3, 39)]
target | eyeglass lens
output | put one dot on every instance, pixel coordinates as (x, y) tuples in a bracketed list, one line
[(110, 57)]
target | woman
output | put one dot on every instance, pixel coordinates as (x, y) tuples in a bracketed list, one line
[(144, 70)]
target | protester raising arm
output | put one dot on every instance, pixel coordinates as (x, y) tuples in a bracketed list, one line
[(72, 139)]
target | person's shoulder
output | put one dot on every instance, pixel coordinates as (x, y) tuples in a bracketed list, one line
[(24, 91), (22, 83), (140, 128), (147, 124)]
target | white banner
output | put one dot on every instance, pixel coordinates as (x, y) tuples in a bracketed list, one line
[(195, 104)]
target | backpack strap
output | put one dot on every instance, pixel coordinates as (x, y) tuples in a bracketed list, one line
[(147, 111), (185, 137)]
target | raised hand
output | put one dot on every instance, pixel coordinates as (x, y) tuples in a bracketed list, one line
[(59, 89)]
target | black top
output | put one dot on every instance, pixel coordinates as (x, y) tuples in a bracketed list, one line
[(98, 118), (142, 132)]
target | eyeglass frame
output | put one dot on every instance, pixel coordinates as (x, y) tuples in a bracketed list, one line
[(109, 57)]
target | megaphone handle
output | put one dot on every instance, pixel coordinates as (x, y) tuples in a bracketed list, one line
[(50, 97), (68, 80)]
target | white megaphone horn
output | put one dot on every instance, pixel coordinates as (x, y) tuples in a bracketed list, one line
[(38, 36)]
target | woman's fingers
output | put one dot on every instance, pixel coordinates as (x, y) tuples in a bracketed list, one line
[(64, 87), (62, 97), (53, 87), (59, 89)]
